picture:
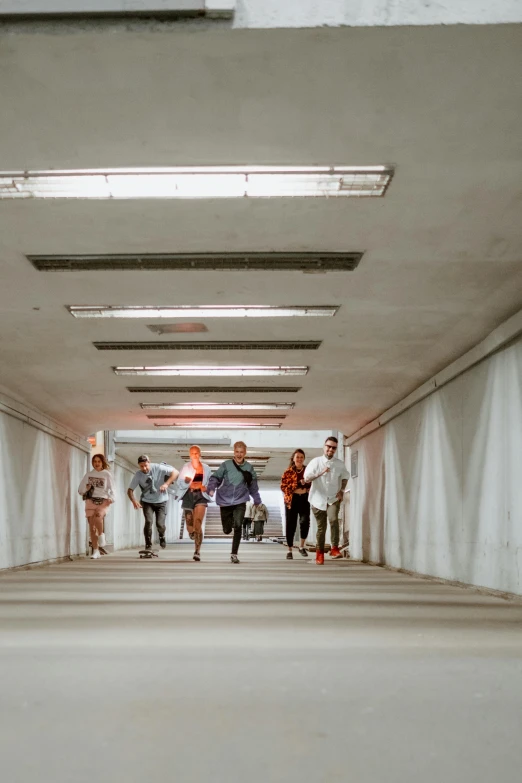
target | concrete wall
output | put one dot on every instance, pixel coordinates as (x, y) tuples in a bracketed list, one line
[(362, 13), (41, 465), (439, 489)]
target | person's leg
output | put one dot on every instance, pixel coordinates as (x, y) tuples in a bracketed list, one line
[(227, 519), (291, 524), (304, 524), (238, 516), (148, 514), (189, 522), (93, 531), (161, 513), (102, 512), (333, 519), (199, 516), (321, 520)]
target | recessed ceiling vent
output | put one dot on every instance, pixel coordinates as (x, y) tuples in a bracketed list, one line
[(200, 262), (213, 389), (211, 345)]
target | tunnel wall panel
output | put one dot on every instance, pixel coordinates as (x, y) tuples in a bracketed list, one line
[(125, 524), (41, 513), (439, 489)]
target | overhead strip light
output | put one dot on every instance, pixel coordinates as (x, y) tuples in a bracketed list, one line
[(199, 182), (222, 372), (200, 311), (217, 406), (216, 416), (197, 425), (213, 389)]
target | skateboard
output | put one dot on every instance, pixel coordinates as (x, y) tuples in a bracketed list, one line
[(147, 554)]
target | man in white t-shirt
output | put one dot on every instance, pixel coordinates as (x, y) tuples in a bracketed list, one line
[(329, 477)]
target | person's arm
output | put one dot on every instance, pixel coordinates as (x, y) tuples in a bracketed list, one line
[(110, 487), (254, 489), (130, 493), (313, 471), (173, 476), (216, 480), (344, 481), (84, 485), (340, 494)]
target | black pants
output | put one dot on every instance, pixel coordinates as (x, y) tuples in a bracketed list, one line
[(300, 508), (159, 510), (232, 519), (246, 527)]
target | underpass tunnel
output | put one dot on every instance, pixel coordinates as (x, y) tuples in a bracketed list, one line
[(288, 226)]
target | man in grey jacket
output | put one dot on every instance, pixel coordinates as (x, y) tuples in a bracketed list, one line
[(235, 481)]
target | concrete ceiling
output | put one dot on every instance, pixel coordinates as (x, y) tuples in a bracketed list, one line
[(443, 250)]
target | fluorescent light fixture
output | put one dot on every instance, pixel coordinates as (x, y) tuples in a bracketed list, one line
[(198, 425), (222, 372), (199, 182), (200, 311), (216, 406)]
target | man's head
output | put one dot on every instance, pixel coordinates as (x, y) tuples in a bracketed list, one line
[(240, 451), (144, 463), (330, 447)]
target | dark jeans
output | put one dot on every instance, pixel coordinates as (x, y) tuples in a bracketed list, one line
[(149, 511), (232, 519), (300, 508), (246, 527)]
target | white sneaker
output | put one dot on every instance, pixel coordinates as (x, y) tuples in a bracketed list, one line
[(95, 555), (101, 540)]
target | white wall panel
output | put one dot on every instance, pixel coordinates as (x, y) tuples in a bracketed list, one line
[(439, 489), (41, 513), (124, 526)]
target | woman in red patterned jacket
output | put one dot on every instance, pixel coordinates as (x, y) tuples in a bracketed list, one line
[(295, 490)]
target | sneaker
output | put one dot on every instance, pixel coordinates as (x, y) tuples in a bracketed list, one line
[(335, 553), (319, 558), (289, 556), (95, 555), (101, 540), (234, 559), (148, 547), (196, 557), (163, 543), (303, 552)]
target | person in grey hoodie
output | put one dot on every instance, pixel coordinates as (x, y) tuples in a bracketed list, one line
[(235, 481)]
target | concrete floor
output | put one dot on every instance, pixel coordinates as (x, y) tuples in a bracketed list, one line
[(128, 670)]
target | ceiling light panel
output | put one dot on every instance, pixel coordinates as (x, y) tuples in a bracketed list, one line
[(199, 182), (196, 425), (213, 389), (210, 345), (222, 372), (202, 311), (216, 406), (194, 416)]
